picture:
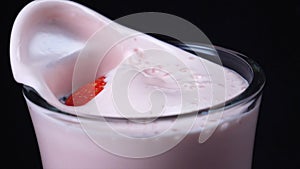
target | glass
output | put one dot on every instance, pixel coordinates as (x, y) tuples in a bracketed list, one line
[(63, 142)]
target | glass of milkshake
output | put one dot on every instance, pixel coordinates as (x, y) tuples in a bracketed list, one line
[(64, 143), (198, 112)]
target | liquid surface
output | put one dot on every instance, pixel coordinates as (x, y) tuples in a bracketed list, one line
[(161, 83)]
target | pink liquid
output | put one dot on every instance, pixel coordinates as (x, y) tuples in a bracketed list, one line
[(64, 144)]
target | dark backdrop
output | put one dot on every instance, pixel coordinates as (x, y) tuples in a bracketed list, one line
[(259, 30)]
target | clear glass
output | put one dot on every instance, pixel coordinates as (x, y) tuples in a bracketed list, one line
[(64, 144)]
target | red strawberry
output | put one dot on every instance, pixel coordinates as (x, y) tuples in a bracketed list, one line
[(86, 93)]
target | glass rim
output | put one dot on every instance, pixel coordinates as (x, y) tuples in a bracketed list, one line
[(254, 88)]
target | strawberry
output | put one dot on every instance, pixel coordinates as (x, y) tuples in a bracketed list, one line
[(86, 93)]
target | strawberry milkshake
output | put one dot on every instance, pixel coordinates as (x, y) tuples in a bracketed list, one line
[(139, 103)]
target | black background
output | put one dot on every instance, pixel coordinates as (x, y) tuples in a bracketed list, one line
[(260, 30)]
